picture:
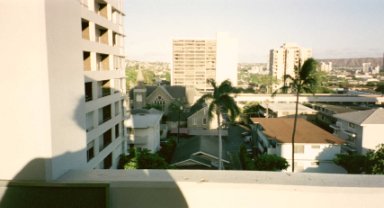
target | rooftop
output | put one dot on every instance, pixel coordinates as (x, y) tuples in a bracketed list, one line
[(288, 107), (142, 118), (280, 129), (373, 116)]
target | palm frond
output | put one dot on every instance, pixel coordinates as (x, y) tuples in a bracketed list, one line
[(307, 69)]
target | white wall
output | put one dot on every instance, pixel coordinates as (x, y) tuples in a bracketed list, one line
[(226, 58), (42, 88), (325, 152), (372, 136), (152, 137)]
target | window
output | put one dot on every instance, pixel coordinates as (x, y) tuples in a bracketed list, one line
[(352, 125), (117, 108), (88, 91), (117, 133), (90, 150), (108, 161), (104, 88), (315, 146), (105, 140), (85, 29), (204, 121), (139, 98), (104, 114), (87, 61), (299, 149), (89, 121)]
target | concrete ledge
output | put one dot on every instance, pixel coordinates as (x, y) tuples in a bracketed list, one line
[(209, 176)]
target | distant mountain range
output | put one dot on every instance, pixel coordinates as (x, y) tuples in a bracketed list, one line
[(354, 62)]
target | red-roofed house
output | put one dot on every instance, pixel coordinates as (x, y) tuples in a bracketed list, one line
[(314, 147)]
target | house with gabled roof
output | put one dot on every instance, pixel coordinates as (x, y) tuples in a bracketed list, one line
[(314, 147), (361, 130), (162, 95), (199, 152), (159, 95)]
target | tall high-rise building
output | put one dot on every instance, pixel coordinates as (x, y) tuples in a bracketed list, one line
[(64, 91), (283, 60), (197, 60)]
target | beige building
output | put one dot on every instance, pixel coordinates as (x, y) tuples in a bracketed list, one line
[(197, 60), (283, 60), (65, 87), (105, 89)]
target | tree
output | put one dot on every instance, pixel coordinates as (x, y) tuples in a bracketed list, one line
[(371, 163), (376, 160), (220, 102), (352, 163), (380, 87), (131, 75), (250, 110), (144, 159), (305, 80), (270, 162)]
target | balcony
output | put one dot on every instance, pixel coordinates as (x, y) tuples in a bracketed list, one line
[(335, 127), (349, 133), (196, 188)]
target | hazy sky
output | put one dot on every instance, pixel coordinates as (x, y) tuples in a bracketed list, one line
[(332, 28)]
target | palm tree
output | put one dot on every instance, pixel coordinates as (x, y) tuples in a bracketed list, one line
[(305, 80), (220, 102)]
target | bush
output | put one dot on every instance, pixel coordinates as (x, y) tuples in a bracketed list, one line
[(167, 149), (262, 162), (246, 161), (352, 163), (270, 162), (142, 159)]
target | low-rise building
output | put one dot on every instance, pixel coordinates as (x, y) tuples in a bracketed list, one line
[(314, 147), (285, 110), (144, 128), (361, 130)]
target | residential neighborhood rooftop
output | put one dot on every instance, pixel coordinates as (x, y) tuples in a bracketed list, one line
[(372, 116), (143, 118), (280, 129), (288, 107)]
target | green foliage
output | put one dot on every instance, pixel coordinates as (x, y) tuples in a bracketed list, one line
[(263, 162), (270, 163), (168, 76), (174, 111), (371, 163), (149, 77), (131, 75), (376, 160), (380, 87), (264, 81), (246, 161), (167, 149), (144, 159), (153, 105), (352, 163), (147, 160)]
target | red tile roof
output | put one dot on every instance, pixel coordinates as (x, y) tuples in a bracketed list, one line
[(280, 129)]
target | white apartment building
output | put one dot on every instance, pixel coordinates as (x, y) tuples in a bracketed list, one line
[(63, 86), (197, 60), (361, 130), (325, 67), (283, 60)]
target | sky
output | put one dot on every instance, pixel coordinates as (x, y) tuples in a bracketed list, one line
[(332, 28)]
